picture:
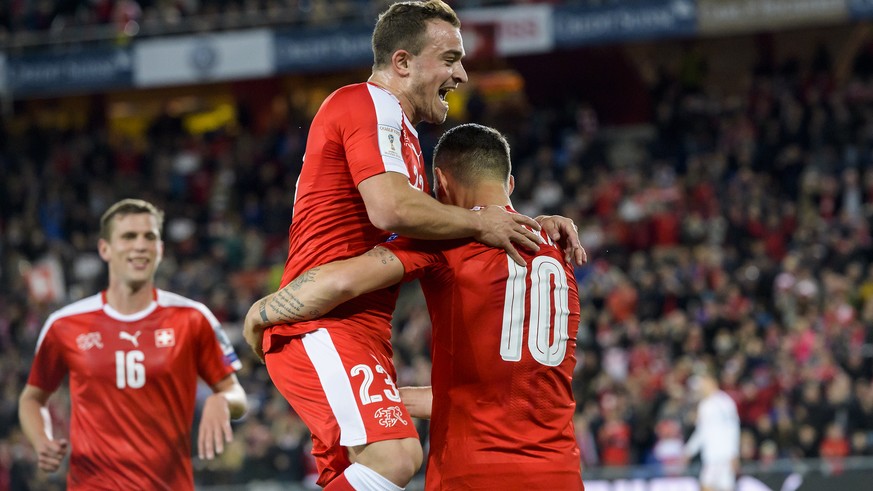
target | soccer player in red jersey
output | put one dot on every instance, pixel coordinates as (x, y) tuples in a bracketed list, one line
[(503, 334), (362, 177), (133, 354)]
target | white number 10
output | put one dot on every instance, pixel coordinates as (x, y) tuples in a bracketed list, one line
[(544, 295)]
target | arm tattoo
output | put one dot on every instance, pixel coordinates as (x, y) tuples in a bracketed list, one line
[(263, 310), (303, 278), (287, 306), (383, 254)]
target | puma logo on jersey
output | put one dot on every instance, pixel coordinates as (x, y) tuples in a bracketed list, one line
[(133, 338), (390, 416)]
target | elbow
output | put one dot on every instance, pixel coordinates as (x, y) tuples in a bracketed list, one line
[(393, 212), (389, 219), (345, 287)]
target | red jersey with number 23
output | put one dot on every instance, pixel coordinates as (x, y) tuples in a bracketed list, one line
[(133, 387), (359, 131), (504, 339)]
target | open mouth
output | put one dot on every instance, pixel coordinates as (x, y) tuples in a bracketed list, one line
[(444, 91), (139, 263)]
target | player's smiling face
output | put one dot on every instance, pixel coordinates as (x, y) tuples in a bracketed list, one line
[(134, 249), (436, 71)]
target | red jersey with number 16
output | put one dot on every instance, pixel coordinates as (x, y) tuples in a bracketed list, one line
[(359, 131), (133, 387), (504, 339)]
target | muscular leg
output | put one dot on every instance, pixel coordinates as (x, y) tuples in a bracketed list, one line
[(395, 460)]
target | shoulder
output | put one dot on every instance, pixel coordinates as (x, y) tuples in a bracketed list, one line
[(174, 300), (85, 306)]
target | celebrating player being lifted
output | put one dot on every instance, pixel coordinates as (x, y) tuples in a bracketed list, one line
[(504, 335), (133, 353), (363, 177)]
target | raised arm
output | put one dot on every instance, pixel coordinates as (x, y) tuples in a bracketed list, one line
[(395, 206), (318, 290), (36, 423)]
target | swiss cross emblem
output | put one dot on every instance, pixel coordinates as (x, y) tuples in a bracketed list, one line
[(390, 416), (164, 338)]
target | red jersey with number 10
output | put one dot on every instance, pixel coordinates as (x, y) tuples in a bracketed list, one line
[(359, 131), (504, 340), (133, 387)]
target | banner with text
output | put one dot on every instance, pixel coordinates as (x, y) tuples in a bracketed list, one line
[(730, 16), (52, 74), (577, 26), (517, 30), (307, 50), (204, 58)]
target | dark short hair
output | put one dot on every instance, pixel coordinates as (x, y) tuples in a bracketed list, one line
[(403, 26), (128, 206), (472, 152)]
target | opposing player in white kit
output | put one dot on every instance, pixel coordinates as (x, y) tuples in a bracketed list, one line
[(716, 436)]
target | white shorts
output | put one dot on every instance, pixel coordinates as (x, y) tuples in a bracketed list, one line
[(719, 476)]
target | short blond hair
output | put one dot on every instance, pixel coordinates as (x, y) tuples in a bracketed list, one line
[(128, 206)]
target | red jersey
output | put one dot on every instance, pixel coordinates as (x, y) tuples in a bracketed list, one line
[(359, 131), (504, 339), (133, 385)]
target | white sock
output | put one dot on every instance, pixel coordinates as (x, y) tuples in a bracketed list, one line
[(362, 478)]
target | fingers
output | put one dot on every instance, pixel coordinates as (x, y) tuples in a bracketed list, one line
[(203, 444), (580, 256), (526, 239), (217, 443), (511, 252), (51, 456), (526, 221)]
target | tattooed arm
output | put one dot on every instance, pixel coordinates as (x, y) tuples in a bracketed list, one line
[(318, 290)]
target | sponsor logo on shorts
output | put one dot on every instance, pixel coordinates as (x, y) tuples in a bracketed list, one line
[(390, 416)]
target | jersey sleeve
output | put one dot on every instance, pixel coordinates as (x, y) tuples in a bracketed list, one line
[(417, 256), (372, 134), (49, 365), (216, 357)]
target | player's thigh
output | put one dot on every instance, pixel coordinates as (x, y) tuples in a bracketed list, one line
[(343, 382)]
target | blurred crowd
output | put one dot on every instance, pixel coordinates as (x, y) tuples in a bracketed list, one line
[(734, 232), (132, 17)]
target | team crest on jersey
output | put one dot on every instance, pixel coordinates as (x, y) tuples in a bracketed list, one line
[(165, 338), (389, 141), (390, 416), (89, 340)]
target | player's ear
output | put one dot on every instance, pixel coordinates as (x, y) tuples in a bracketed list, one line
[(400, 61), (103, 249), (511, 185), (440, 181)]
